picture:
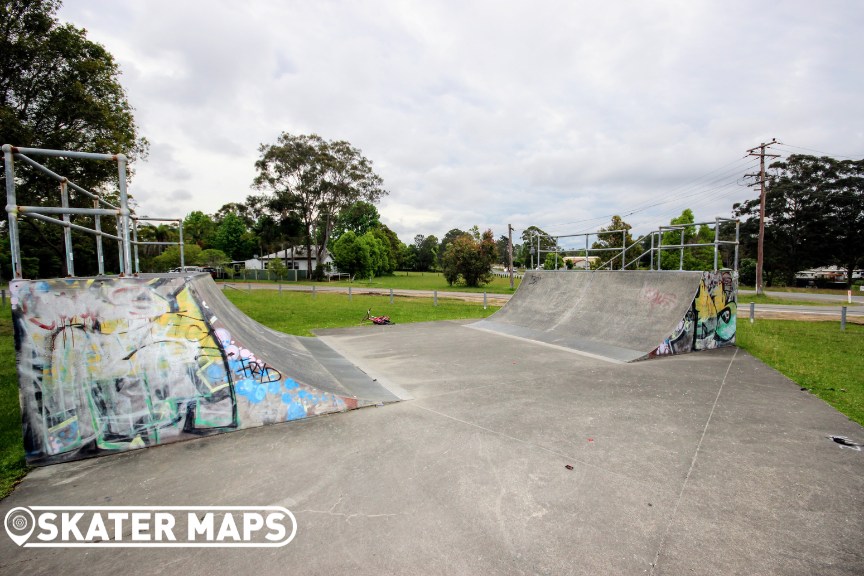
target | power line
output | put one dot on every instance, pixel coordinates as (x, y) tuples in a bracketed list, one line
[(673, 194), (821, 152)]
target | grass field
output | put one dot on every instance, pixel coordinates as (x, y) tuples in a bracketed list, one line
[(817, 355), (12, 466), (415, 281), (299, 312)]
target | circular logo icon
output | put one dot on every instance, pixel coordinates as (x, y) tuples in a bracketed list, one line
[(19, 523)]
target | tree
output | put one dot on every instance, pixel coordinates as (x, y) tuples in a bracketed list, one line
[(449, 237), (198, 228), (426, 252), (540, 241), (315, 179), (212, 258), (690, 258), (553, 261), (503, 245), (814, 216), (612, 243), (363, 256), (59, 90), (470, 259), (233, 238), (359, 217), (170, 258)]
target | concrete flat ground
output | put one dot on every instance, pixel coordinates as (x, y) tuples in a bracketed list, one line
[(707, 463)]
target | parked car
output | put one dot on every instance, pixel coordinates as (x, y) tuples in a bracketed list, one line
[(187, 269)]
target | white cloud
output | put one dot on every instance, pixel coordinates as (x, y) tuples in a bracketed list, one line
[(486, 113)]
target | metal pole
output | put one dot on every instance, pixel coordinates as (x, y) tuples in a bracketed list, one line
[(391, 295), (124, 213), (484, 300), (349, 293), (843, 318), (586, 264), (737, 239), (120, 245), (100, 255), (681, 250), (12, 212), (623, 248), (435, 298), (659, 250), (652, 250), (67, 232), (182, 255), (510, 251), (716, 240), (752, 311), (135, 244)]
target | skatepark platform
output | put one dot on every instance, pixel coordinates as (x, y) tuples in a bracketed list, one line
[(709, 464)]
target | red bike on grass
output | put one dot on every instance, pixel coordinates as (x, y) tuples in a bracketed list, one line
[(381, 320)]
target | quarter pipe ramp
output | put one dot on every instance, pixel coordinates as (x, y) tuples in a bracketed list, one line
[(112, 364), (622, 316)]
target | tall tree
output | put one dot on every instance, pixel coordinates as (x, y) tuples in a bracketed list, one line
[(359, 217), (814, 216), (233, 238), (449, 237), (315, 179), (198, 228), (612, 239), (540, 241), (60, 90), (426, 252), (689, 258)]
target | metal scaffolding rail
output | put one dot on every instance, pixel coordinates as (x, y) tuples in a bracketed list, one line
[(101, 207), (653, 241)]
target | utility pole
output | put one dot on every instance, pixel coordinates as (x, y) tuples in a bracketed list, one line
[(761, 182), (510, 251)]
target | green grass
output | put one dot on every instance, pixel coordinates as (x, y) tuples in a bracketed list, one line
[(414, 281), (816, 355), (300, 312), (12, 466)]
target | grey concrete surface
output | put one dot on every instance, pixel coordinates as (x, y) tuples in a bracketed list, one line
[(306, 360), (622, 316), (705, 463)]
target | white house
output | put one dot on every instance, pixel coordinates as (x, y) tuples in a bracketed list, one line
[(292, 258)]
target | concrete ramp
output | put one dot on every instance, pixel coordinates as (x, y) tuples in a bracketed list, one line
[(112, 364), (621, 316)]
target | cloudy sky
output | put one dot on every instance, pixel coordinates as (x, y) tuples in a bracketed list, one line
[(554, 114)]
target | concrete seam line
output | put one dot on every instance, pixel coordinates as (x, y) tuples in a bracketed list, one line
[(533, 445), (692, 464)]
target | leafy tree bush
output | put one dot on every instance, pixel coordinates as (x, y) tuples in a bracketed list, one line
[(470, 259), (553, 261), (747, 272)]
